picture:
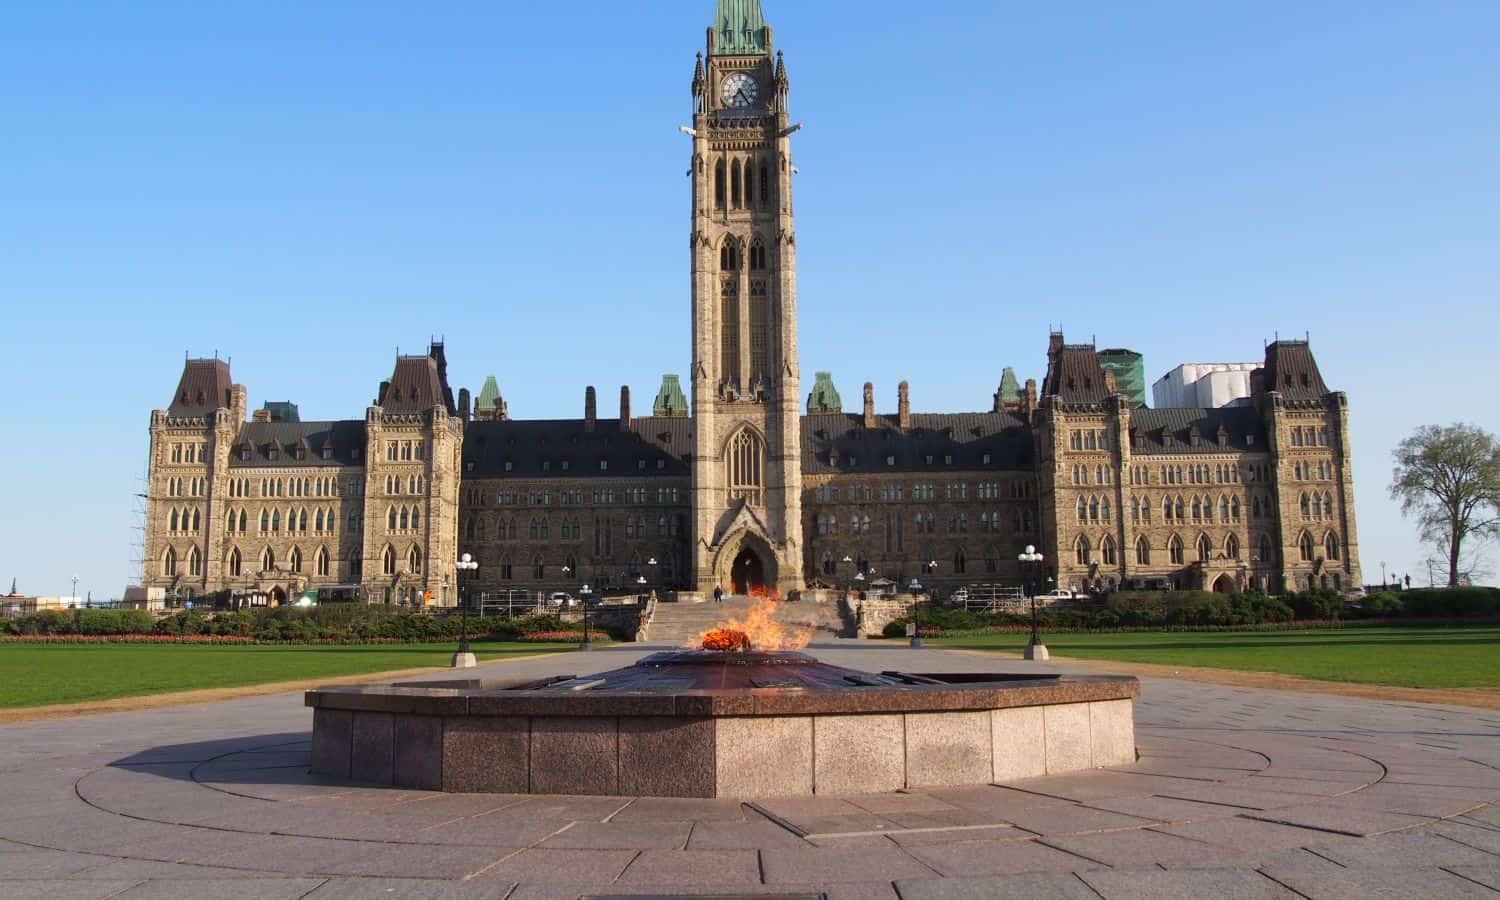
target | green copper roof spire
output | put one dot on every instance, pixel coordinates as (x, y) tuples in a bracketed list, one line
[(670, 402), (1010, 388), (824, 397), (740, 28)]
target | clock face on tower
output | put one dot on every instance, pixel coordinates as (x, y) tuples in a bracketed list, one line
[(740, 90)]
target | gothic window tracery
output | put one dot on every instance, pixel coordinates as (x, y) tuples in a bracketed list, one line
[(745, 462)]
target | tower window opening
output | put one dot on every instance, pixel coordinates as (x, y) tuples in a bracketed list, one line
[(746, 464), (719, 184), (735, 187)]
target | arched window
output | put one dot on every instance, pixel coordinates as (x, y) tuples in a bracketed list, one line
[(390, 519), (1205, 549), (719, 184), (388, 561), (1306, 546), (235, 565), (295, 560), (829, 566), (765, 184), (1142, 552), (745, 464), (538, 569), (1175, 550), (1166, 510), (1104, 510), (749, 183), (960, 561), (729, 256), (1181, 510), (169, 563), (1197, 510), (1081, 550), (416, 518), (268, 560), (757, 255), (736, 196), (1327, 505), (1317, 506), (173, 521), (414, 561), (1234, 509), (1306, 506), (318, 522), (1094, 510), (1267, 551), (275, 520), (1107, 551), (405, 518), (1331, 546), (1083, 509), (322, 562), (1223, 509), (1232, 547)]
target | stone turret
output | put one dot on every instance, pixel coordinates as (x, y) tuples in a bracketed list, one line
[(869, 405)]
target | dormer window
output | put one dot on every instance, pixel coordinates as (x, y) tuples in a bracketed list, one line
[(273, 453), (890, 461), (604, 465), (987, 459), (661, 464), (546, 465), (929, 459), (948, 460), (1249, 440), (300, 453), (509, 465), (245, 454), (566, 465), (640, 465), (1223, 439), (469, 466), (328, 451), (853, 461)]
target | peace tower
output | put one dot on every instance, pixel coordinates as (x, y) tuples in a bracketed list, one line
[(746, 464)]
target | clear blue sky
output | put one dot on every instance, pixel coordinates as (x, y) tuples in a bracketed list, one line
[(306, 187)]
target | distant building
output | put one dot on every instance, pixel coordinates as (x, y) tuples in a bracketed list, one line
[(1204, 386), (1129, 370), (16, 604)]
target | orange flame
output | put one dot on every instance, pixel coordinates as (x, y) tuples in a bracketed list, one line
[(759, 629)]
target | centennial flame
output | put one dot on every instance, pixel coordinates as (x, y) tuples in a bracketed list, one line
[(758, 630)]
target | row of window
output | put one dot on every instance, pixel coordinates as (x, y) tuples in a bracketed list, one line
[(895, 492), (742, 184), (566, 465), (403, 518), (326, 486), (1084, 549), (405, 451), (1100, 475), (299, 452), (636, 496), (1309, 436), (318, 521), (187, 487), (184, 521), (396, 485), (189, 453), (1322, 470), (1088, 440), (1316, 506)]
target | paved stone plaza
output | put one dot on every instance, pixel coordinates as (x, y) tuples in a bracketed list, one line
[(1238, 793)]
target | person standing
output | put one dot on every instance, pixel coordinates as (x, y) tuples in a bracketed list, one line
[(718, 594)]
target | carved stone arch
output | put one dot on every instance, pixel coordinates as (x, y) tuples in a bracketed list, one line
[(1204, 547), (747, 555), (745, 458)]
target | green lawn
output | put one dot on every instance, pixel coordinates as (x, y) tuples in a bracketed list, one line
[(1408, 657), (45, 674)]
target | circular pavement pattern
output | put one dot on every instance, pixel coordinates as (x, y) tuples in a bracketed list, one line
[(1237, 793)]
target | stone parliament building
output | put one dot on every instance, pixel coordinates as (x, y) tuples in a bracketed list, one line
[(736, 483)]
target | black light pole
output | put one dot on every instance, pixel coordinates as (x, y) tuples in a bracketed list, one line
[(465, 567), (1031, 561), (585, 644)]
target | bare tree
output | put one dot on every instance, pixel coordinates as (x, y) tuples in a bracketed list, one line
[(1448, 479)]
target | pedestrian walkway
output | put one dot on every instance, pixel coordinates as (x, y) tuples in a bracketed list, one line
[(1237, 793)]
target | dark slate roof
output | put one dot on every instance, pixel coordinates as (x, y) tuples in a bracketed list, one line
[(831, 441), (1292, 370), (204, 387), (527, 445), (1074, 374), (1240, 423), (347, 438), (416, 386)]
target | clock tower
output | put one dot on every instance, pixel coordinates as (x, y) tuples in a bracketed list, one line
[(747, 470)]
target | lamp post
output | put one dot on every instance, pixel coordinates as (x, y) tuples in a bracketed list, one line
[(1382, 575), (585, 644), (465, 568), (1031, 562), (74, 598)]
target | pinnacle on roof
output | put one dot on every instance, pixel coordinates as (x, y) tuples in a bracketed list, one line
[(740, 28), (489, 395), (1010, 388), (824, 397), (670, 401)]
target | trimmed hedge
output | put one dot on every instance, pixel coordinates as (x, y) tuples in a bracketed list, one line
[(346, 623)]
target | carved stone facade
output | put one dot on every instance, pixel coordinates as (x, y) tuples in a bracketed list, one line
[(736, 487)]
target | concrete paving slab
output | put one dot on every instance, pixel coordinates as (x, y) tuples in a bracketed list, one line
[(1404, 851), (1187, 884), (1387, 884), (1342, 819), (1030, 886), (572, 867), (719, 871), (51, 889), (407, 889), (621, 836), (826, 865), (980, 858), (236, 889)]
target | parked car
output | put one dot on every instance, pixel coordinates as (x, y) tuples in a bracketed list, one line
[(959, 596), (561, 600), (1058, 597)]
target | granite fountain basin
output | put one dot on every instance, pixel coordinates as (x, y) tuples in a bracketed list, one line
[(709, 724)]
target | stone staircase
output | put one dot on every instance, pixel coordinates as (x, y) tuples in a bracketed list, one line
[(677, 624)]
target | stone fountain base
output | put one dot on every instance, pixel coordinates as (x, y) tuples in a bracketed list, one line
[(723, 725)]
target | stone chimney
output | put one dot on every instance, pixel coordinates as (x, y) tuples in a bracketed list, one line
[(463, 404), (1028, 400), (869, 405), (625, 408), (903, 406), (590, 409)]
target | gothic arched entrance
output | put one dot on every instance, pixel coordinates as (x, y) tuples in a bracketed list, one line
[(1225, 585), (278, 597), (748, 574)]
